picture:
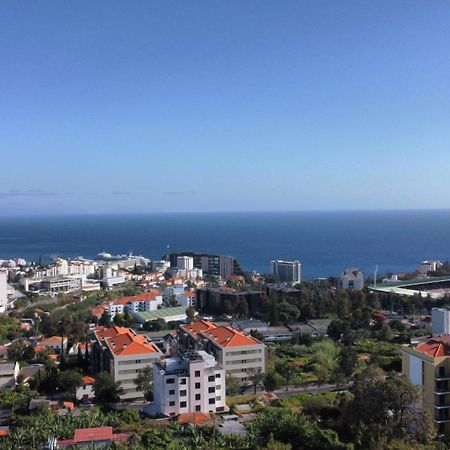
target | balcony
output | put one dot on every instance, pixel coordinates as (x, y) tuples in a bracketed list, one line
[(442, 420), (444, 406), (442, 391)]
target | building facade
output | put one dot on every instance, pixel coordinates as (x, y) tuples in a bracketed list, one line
[(122, 353), (193, 382), (351, 279), (440, 321), (287, 271), (427, 365), (238, 353)]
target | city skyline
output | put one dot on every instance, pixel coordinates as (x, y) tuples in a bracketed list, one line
[(254, 106)]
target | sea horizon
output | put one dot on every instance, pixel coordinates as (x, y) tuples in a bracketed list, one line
[(325, 242)]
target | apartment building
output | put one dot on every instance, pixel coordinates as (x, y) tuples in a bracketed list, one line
[(427, 365), (351, 278), (287, 271), (238, 353), (3, 290), (122, 353), (193, 382), (148, 301)]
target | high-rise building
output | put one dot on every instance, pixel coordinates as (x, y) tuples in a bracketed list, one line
[(440, 321), (3, 290), (287, 271), (185, 262)]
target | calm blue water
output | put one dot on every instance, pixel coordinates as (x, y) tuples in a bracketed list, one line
[(325, 242)]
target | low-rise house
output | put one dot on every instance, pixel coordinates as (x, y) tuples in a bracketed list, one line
[(123, 353), (9, 371), (86, 391), (88, 438), (193, 382), (29, 372), (55, 343)]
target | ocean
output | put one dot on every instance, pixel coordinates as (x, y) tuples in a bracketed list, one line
[(324, 242)]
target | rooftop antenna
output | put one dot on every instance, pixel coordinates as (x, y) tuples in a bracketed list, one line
[(375, 276)]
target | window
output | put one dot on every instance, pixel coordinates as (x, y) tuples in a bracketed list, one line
[(183, 381), (211, 378), (197, 385), (183, 404), (197, 373), (172, 392), (182, 393), (212, 401), (170, 381), (218, 388), (217, 375), (218, 398), (198, 396), (211, 390), (198, 408), (171, 403)]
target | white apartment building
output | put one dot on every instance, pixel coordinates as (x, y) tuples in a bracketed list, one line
[(428, 266), (351, 278), (239, 353), (287, 271), (193, 382), (440, 321), (123, 353), (3, 290), (185, 262), (148, 301)]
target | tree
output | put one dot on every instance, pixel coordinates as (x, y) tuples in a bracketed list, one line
[(386, 333), (68, 381), (144, 382), (191, 313), (105, 319), (232, 385), (348, 360), (20, 351), (256, 377), (273, 380), (342, 304), (389, 407), (106, 389)]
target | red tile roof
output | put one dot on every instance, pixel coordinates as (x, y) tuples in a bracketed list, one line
[(123, 341), (144, 297), (195, 418), (194, 328), (229, 337), (98, 434), (435, 348), (88, 380)]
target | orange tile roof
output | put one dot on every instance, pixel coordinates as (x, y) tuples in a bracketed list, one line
[(123, 341), (434, 348), (195, 418), (88, 380), (194, 328), (227, 336), (69, 405), (53, 340), (144, 297), (190, 293), (4, 433)]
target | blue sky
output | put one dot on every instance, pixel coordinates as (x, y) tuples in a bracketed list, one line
[(144, 106)]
